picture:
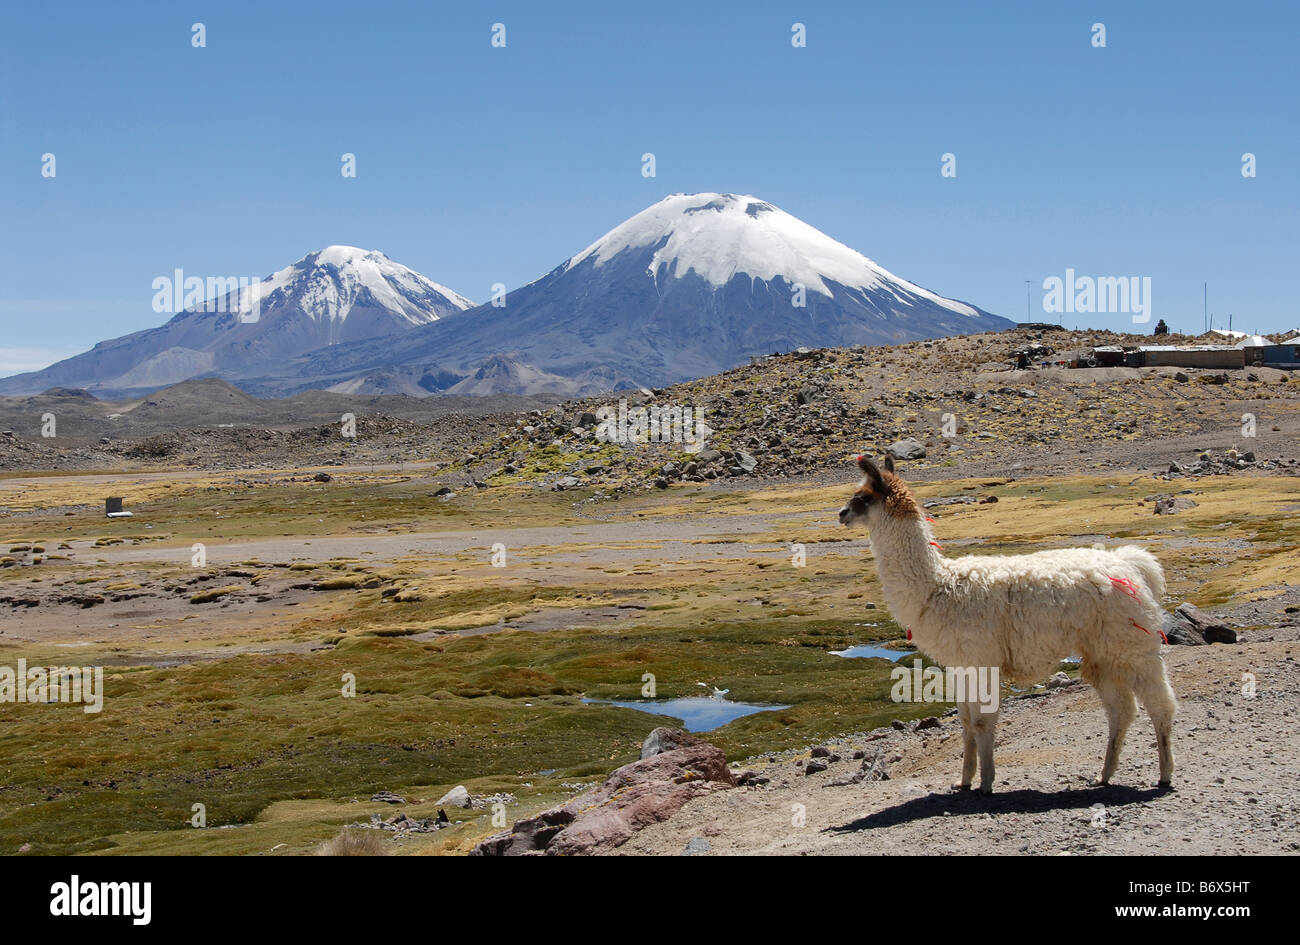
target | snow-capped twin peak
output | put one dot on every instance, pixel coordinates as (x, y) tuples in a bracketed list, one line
[(691, 286), (330, 282), (718, 236)]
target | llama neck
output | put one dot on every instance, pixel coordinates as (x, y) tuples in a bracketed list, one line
[(910, 566)]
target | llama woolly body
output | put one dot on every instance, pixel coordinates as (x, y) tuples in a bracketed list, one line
[(1020, 613)]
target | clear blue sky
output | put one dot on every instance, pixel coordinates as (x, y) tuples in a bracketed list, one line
[(478, 165)]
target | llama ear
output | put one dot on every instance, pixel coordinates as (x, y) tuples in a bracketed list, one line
[(872, 472), (889, 464)]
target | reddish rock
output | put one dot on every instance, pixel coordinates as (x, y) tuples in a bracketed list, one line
[(636, 795)]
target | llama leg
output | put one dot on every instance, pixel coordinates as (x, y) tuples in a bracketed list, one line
[(966, 712), (1158, 696), (1121, 709), (985, 725)]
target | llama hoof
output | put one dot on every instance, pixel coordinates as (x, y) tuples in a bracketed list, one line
[(986, 791), (1165, 785), (1101, 782), (961, 787)]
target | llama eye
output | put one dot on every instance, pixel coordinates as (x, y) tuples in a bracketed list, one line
[(858, 504)]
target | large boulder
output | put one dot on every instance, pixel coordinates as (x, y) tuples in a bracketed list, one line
[(1213, 629), (456, 797), (636, 795), (1172, 505), (906, 448), (1178, 632)]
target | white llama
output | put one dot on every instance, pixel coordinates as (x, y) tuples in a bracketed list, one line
[(1022, 614)]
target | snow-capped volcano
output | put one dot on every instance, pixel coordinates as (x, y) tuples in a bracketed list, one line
[(719, 236), (328, 285), (337, 295), (691, 286)]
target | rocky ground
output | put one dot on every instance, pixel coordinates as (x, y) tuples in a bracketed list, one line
[(954, 406)]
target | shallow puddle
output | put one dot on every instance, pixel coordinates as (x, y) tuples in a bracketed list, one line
[(866, 651), (698, 713)]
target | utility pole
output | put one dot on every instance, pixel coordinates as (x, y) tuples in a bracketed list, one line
[(1027, 318), (1205, 306)]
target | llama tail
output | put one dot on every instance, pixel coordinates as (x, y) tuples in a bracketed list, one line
[(1145, 563)]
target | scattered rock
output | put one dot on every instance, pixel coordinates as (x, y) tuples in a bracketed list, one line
[(877, 770), (405, 822), (949, 500), (1059, 680), (872, 769), (697, 846)]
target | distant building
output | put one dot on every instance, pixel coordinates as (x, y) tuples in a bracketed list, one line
[(1194, 356), (1279, 356), (1254, 341)]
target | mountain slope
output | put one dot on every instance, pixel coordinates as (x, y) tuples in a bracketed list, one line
[(334, 296), (691, 286)]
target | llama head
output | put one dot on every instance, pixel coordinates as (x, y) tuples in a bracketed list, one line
[(882, 491)]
